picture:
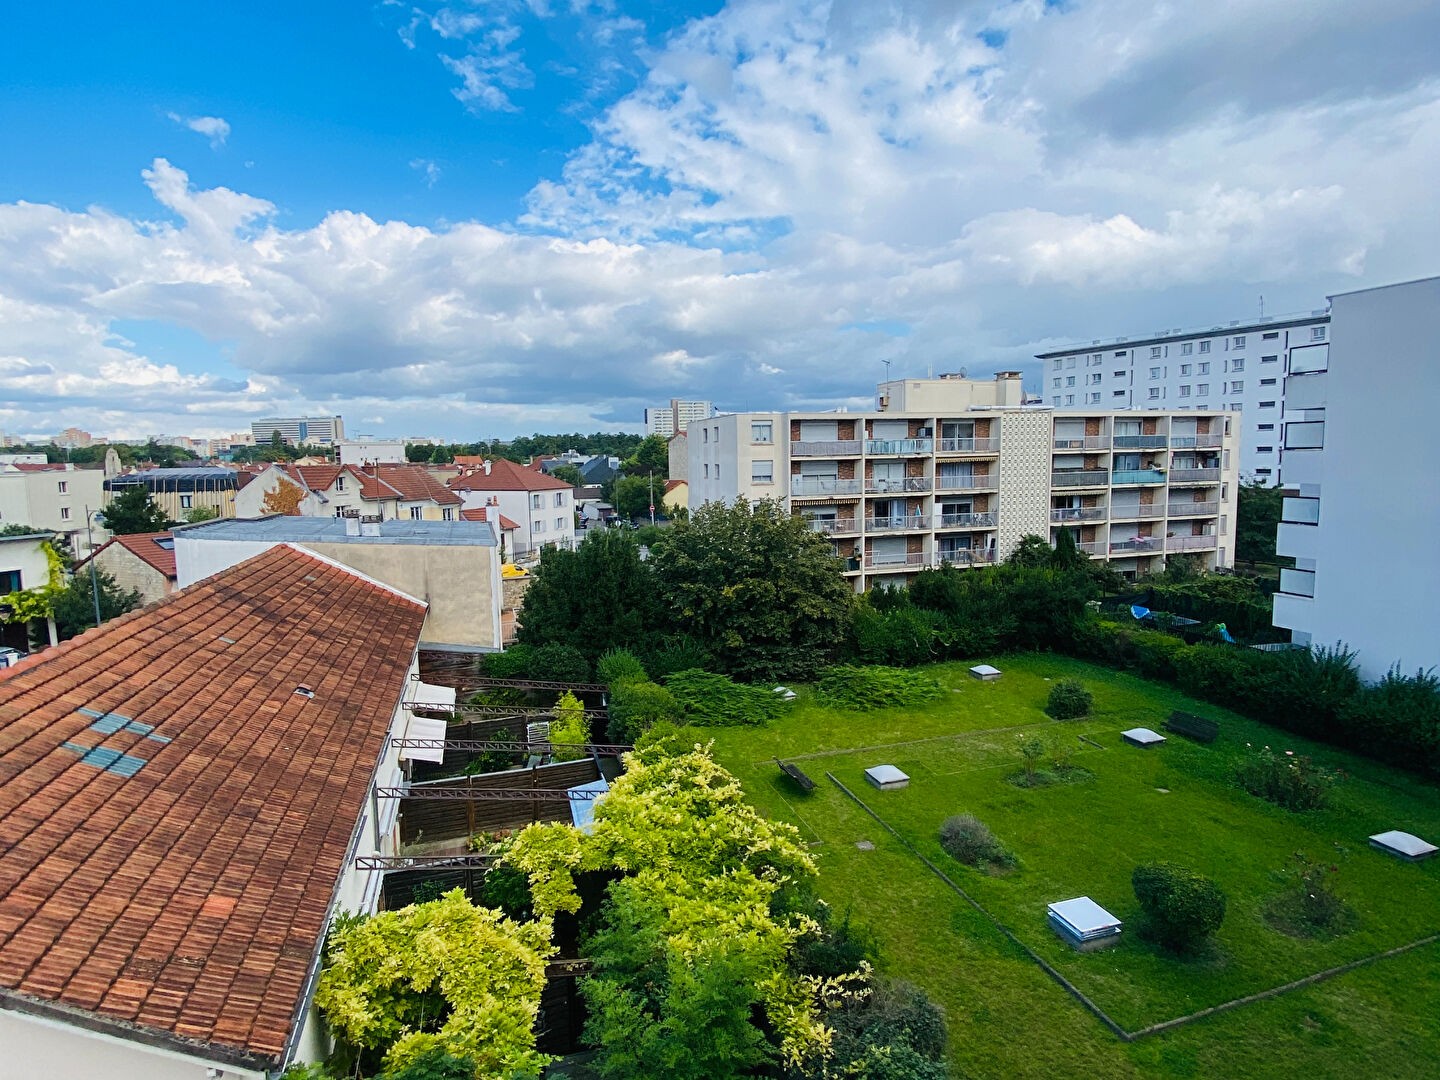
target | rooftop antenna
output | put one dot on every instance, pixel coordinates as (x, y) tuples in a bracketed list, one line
[(887, 369), (1262, 305)]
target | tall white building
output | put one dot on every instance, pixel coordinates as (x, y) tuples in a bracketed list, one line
[(957, 471), (295, 430), (54, 498), (1237, 367), (675, 417), (1362, 502)]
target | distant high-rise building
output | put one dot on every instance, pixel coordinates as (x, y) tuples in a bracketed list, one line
[(295, 430), (675, 417), (72, 438)]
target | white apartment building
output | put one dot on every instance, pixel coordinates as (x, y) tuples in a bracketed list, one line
[(542, 506), (295, 430), (53, 498), (677, 416), (1362, 503), (1235, 367), (957, 471)]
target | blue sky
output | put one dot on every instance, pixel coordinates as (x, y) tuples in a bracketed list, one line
[(476, 219)]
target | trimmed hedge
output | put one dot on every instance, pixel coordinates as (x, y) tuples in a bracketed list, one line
[(710, 700), (637, 706), (1069, 700), (558, 663), (848, 687)]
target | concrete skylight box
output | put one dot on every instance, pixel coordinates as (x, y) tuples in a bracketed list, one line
[(985, 672), (1142, 737), (887, 777), (1084, 924), (1403, 845)]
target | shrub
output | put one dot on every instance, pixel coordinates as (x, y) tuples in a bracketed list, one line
[(967, 839), (678, 652), (1069, 699), (1309, 907), (1290, 780), (569, 729), (894, 1033), (618, 666), (873, 687), (435, 1064), (635, 707), (711, 700), (1182, 908), (1032, 749), (560, 663)]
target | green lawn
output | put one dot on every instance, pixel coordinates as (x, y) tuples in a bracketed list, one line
[(1007, 1018)]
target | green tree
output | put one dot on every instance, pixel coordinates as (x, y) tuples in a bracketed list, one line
[(1067, 554), (757, 587), (75, 603), (631, 496), (132, 511), (598, 597), (201, 513), (1257, 516), (569, 473), (569, 729), (652, 456), (1031, 551), (418, 453)]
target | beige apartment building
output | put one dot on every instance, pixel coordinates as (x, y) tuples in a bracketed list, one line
[(957, 471)]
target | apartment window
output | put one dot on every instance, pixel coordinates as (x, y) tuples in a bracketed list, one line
[(1185, 391), (1069, 399), (1069, 380), (1055, 400), (1203, 388), (559, 498), (1122, 353), (1118, 374), (1264, 449), (1317, 333), (1095, 360), (537, 526), (1059, 362), (1204, 346), (1186, 349), (762, 433), (1184, 370), (707, 472), (717, 434), (187, 502), (1274, 335), (64, 513), (64, 487), (1262, 472), (1238, 364), (1118, 393), (415, 513), (1236, 406), (1055, 383), (1069, 361), (1269, 359), (1267, 382), (1203, 368), (536, 502), (1094, 378), (339, 483), (1265, 405), (717, 470), (447, 514), (1264, 427), (1154, 373), (762, 472), (1237, 386), (1238, 341), (1094, 399), (559, 524), (1154, 352), (1154, 393), (705, 435)]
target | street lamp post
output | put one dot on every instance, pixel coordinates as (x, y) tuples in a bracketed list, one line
[(94, 580)]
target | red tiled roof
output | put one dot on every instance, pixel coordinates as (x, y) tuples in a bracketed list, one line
[(412, 483), (53, 466), (506, 475), (189, 897), (313, 477), (144, 547), (478, 513)]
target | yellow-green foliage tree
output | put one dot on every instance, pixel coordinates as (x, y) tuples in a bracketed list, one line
[(569, 728), (385, 973)]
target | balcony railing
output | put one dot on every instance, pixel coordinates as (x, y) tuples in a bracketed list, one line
[(1192, 476), (1139, 442), (897, 524), (1190, 543), (897, 485), (1144, 512), (1136, 545), (967, 521), (965, 556), (1080, 478), (1082, 442), (832, 525), (1137, 476), (1194, 509), (968, 446), (822, 485), (1093, 547), (1191, 442), (1078, 513), (900, 561), (973, 482), (833, 448), (899, 446)]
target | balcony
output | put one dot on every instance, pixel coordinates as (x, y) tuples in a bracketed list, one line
[(897, 524), (902, 561), (1136, 511), (1136, 545), (966, 557), (1078, 513), (810, 486), (897, 485), (1194, 476), (831, 526), (896, 447), (969, 446), (841, 448), (1094, 547), (966, 521), (1194, 442), (1137, 476), (1082, 442), (974, 482), (1194, 509), (1139, 442), (1190, 543), (1080, 478)]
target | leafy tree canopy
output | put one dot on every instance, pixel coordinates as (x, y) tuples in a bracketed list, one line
[(568, 473), (652, 456), (1257, 516), (133, 511), (75, 603)]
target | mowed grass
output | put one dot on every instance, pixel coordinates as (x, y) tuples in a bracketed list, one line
[(1007, 1018)]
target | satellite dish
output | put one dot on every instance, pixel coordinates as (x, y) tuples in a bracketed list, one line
[(964, 372)]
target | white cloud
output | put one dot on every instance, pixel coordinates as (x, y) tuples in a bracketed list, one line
[(428, 169), (213, 128)]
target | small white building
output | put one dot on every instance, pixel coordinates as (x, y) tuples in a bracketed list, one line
[(53, 498), (371, 452), (541, 505)]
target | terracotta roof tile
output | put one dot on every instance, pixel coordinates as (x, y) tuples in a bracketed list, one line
[(146, 547), (506, 475), (187, 893), (479, 513), (412, 483)]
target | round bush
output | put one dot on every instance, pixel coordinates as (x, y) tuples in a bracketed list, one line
[(635, 707), (620, 665), (969, 840), (1182, 908), (1069, 699)]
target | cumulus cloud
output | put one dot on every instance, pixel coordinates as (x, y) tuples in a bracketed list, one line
[(213, 128)]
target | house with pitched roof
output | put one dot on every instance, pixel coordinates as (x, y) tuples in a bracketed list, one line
[(386, 492), (542, 506), (144, 562), (184, 794)]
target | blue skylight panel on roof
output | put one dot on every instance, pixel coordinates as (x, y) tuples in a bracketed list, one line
[(110, 723), (104, 758)]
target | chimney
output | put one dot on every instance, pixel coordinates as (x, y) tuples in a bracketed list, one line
[(352, 526), (487, 466), (370, 525)]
